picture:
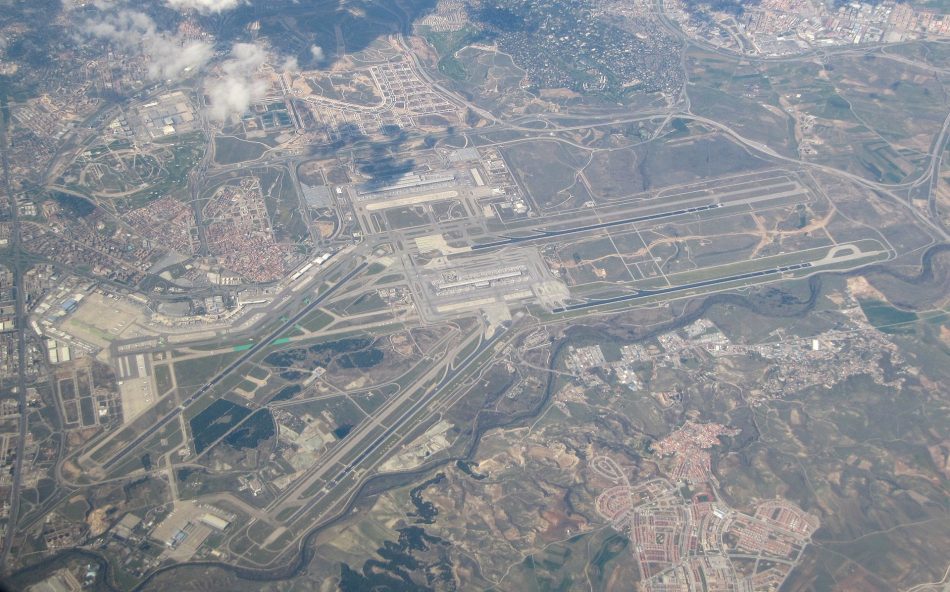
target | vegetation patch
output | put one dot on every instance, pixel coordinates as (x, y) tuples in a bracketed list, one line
[(886, 318), (215, 421)]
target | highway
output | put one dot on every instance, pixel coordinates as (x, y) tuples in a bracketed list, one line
[(233, 366), (881, 188), (811, 54), (352, 442), (931, 177), (19, 267), (426, 398), (356, 451), (340, 474)]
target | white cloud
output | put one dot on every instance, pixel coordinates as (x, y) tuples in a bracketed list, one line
[(317, 52), (169, 54), (126, 27), (171, 59), (240, 83), (290, 65), (105, 4), (205, 6)]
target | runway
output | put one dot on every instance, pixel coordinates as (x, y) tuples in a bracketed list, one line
[(701, 284)]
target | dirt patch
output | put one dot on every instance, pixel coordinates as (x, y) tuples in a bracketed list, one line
[(98, 520), (859, 287)]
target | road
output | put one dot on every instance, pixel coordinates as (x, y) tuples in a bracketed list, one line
[(808, 55), (361, 432), (196, 181), (340, 470), (931, 176), (881, 188), (266, 341), (348, 465), (19, 267)]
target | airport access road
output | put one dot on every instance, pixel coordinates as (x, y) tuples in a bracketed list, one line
[(18, 266), (320, 495), (227, 371)]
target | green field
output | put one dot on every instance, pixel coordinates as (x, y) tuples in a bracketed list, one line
[(191, 374), (887, 318), (231, 150), (163, 379)]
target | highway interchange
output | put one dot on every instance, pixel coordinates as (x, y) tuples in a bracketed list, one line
[(320, 494), (328, 488)]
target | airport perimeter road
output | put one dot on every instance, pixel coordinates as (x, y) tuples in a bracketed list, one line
[(384, 418), (232, 367), (880, 188), (330, 485), (642, 294)]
